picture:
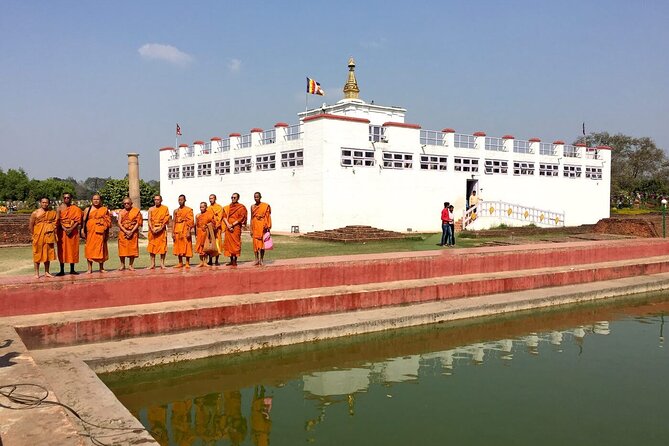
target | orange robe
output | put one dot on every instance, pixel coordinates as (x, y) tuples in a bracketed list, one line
[(201, 230), (219, 215), (183, 225), (158, 218), (232, 245), (44, 237), (261, 222), (68, 245), (129, 247), (97, 232)]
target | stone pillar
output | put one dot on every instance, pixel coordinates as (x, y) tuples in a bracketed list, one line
[(133, 179)]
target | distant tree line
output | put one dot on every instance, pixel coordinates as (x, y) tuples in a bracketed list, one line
[(15, 186), (639, 169)]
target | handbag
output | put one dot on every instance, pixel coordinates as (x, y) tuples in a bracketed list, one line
[(267, 241)]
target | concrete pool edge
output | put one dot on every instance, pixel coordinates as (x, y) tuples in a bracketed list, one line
[(70, 372)]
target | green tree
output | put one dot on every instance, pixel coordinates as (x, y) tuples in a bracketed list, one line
[(52, 188), (16, 185), (114, 191)]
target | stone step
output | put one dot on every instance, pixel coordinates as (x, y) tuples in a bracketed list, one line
[(107, 324)]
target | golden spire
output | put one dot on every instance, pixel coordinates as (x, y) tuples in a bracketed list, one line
[(351, 90)]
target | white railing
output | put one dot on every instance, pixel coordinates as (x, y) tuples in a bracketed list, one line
[(509, 211), (462, 141), (245, 141), (493, 143), (293, 132), (592, 153), (175, 154), (547, 148), (432, 138), (521, 146), (572, 151), (206, 149), (268, 137), (189, 152)]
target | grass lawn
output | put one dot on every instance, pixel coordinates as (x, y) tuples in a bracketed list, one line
[(18, 260)]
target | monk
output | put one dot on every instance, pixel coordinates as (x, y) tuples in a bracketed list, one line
[(203, 222), (68, 234), (234, 218), (97, 221), (159, 217), (261, 222), (218, 212), (129, 224), (42, 225), (182, 227)]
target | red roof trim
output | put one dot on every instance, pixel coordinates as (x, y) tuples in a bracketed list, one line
[(508, 137), (232, 135), (335, 117), (559, 141), (402, 125), (183, 145), (216, 138), (605, 147), (534, 140), (198, 142), (479, 134), (167, 148), (447, 130), (281, 124), (256, 130), (580, 145)]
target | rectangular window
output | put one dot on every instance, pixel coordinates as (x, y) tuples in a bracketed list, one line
[(173, 173), (266, 161), (464, 141), (572, 151), (292, 158), (572, 171), (548, 170), (188, 171), (204, 169), (225, 145), (222, 167), (293, 132), (547, 148), (206, 149), (397, 160), (520, 146), (461, 164), (243, 165), (432, 138), (377, 133), (357, 157), (523, 168), (433, 162), (496, 166), (594, 173)]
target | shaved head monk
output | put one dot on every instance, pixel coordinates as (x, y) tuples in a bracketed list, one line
[(129, 224), (218, 212), (159, 217), (204, 232), (97, 221), (42, 225), (234, 218), (182, 227), (261, 222), (68, 234)]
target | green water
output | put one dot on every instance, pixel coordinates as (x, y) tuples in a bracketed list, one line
[(594, 375)]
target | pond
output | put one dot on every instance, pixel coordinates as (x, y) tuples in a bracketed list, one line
[(594, 374)]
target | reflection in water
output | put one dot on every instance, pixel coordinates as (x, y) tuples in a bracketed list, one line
[(220, 418)]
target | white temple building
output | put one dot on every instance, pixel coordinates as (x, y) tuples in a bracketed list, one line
[(358, 163)]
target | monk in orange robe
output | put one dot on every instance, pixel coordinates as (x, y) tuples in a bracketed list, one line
[(202, 224), (97, 221), (43, 224), (129, 223), (68, 234), (261, 222), (234, 219), (182, 227), (159, 217), (219, 215)]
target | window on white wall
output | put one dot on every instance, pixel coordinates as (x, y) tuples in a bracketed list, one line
[(377, 133), (266, 161), (496, 167), (548, 170), (173, 173), (292, 158), (243, 165), (461, 164), (594, 173), (572, 171), (188, 171), (397, 160), (433, 162), (222, 167), (523, 168), (356, 157), (204, 169)]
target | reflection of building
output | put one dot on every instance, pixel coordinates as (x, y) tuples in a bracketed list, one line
[(336, 382), (312, 169)]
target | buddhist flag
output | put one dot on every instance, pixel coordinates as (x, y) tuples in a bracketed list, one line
[(314, 87), (178, 130)]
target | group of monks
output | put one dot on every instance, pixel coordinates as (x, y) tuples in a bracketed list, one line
[(64, 228)]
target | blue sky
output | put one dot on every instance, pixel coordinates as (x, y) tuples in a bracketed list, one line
[(84, 82)]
